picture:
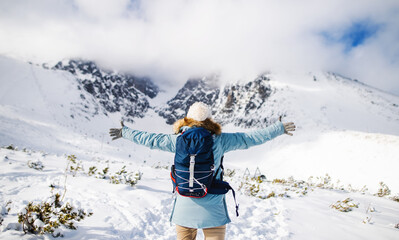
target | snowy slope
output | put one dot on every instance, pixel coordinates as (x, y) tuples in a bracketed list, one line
[(345, 129), (124, 212)]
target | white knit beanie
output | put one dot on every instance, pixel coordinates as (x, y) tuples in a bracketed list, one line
[(199, 111)]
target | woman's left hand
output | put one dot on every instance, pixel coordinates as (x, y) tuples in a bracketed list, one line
[(116, 133)]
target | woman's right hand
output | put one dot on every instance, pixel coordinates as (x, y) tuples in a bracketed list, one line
[(288, 127)]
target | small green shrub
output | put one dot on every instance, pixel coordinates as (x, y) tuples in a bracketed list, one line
[(47, 216)]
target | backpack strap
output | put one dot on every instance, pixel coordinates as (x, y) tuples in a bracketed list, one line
[(235, 201), (221, 186), (220, 169)]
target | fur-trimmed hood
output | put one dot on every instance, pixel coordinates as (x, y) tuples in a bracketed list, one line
[(208, 124)]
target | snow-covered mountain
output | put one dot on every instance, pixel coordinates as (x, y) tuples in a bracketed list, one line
[(344, 128), (78, 97)]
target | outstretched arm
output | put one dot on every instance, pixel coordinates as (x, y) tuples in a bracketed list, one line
[(235, 141), (165, 142)]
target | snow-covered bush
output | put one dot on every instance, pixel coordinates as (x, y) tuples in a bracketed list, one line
[(383, 190), (345, 206), (4, 209), (324, 182), (297, 186), (47, 216), (120, 177), (124, 177), (160, 166), (254, 187), (38, 165)]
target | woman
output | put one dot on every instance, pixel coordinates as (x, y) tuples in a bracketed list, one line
[(210, 212)]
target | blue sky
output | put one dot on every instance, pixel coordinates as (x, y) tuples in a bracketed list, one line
[(358, 33), (353, 34), (238, 39)]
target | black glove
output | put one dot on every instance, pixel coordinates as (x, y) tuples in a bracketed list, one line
[(116, 133)]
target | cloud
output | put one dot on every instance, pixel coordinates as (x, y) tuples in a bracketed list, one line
[(238, 39)]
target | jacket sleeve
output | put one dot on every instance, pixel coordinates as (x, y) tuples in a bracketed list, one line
[(164, 142), (235, 141)]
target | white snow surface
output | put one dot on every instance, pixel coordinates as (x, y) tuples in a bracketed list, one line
[(344, 128)]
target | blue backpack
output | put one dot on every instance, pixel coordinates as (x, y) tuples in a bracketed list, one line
[(193, 172)]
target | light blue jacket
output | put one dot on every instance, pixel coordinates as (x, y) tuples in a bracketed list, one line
[(211, 210)]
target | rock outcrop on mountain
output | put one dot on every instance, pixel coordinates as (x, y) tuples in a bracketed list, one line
[(116, 92), (238, 103)]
